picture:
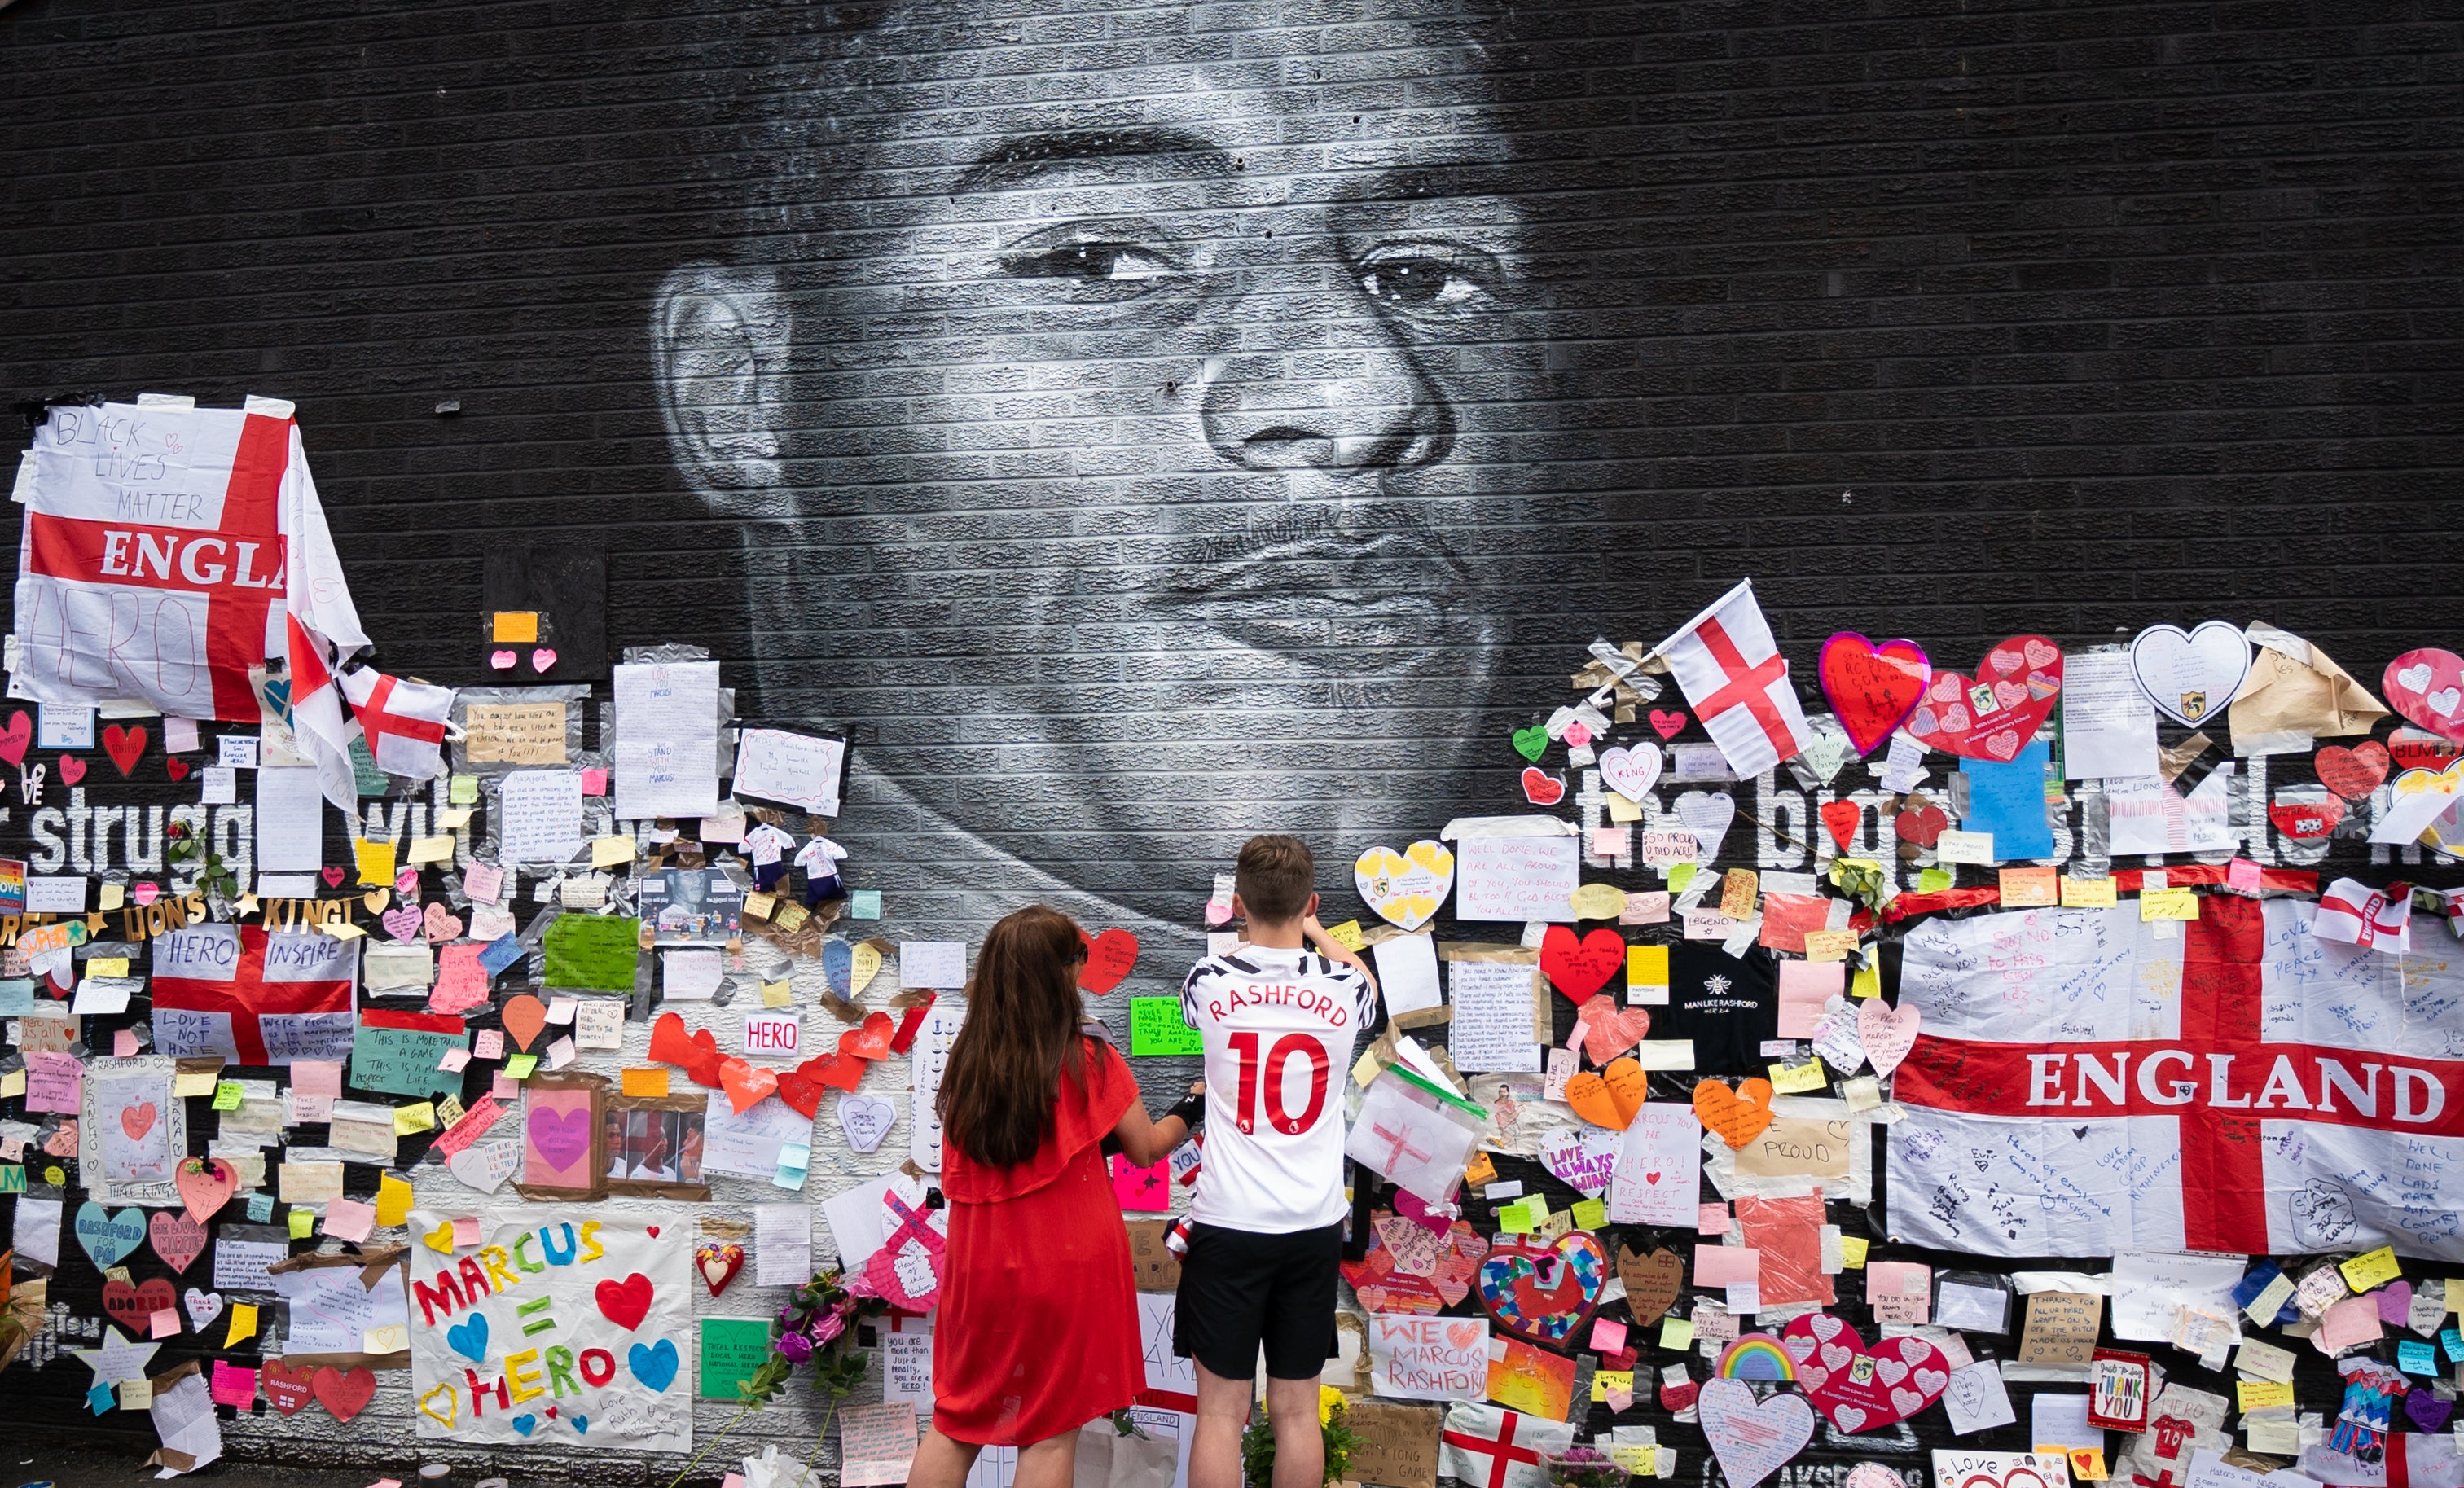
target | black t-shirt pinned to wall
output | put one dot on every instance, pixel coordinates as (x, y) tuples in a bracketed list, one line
[(1727, 1004)]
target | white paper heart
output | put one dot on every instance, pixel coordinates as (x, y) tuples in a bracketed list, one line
[(1828, 748), (486, 1166), (1887, 1033), (1407, 887), (2190, 675), (203, 1308), (865, 1120), (1753, 1441), (1631, 771), (1582, 1157), (1708, 812)]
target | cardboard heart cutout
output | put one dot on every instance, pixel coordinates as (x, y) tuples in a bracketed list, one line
[(1921, 823), (1579, 967), (13, 740), (203, 1308), (124, 745), (1993, 714), (133, 1308), (1541, 788), (1859, 1390), (1542, 1292), (287, 1388), (1841, 819), (1751, 1441), (376, 899), (177, 1238), (2426, 687), (344, 1392), (107, 1238), (1667, 723), (1609, 1030), (1738, 1116), (485, 1165), (1872, 688), (1405, 889), (1383, 1287), (1109, 957), (865, 1120), (1580, 1157), (1632, 772), (2352, 773), (1653, 1282), (524, 1016), (1610, 1098), (2305, 819), (718, 1263), (2190, 675), (1533, 742), (1887, 1033), (746, 1084)]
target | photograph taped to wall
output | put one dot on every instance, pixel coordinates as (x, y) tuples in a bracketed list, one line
[(692, 905)]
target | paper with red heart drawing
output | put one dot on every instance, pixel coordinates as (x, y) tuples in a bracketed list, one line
[(1993, 714), (1858, 1389), (2427, 686)]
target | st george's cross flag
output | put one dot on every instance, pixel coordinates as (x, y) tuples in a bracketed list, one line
[(2083, 1086), (404, 721), (1731, 671), (168, 549)]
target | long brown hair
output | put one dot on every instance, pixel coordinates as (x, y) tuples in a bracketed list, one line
[(1021, 1035)]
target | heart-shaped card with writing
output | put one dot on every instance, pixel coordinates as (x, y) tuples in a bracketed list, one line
[(1389, 1283), (2427, 686), (2190, 675), (1541, 1292), (1993, 714), (1858, 1389), (1406, 888), (1872, 686), (1752, 1440)]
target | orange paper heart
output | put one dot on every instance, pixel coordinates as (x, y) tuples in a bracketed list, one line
[(746, 1084), (1738, 1116), (1609, 1031), (1610, 1098), (870, 1040), (524, 1016)]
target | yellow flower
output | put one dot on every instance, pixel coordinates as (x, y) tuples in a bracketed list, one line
[(1329, 1400)]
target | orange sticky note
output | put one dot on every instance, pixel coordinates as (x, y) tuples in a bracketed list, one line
[(2026, 888), (649, 1082)]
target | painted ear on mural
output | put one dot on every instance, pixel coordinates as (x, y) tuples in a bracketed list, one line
[(719, 354)]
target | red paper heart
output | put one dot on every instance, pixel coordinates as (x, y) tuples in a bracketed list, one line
[(1892, 1383), (746, 1084), (123, 745), (1109, 958), (1667, 725), (2416, 750), (133, 1308), (287, 1388), (1993, 714), (1872, 689), (870, 1039), (1921, 823), (72, 769), (138, 1120), (626, 1302), (1843, 817), (2425, 685), (176, 768), (344, 1392), (696, 1053), (1541, 788), (13, 740), (800, 1088), (1579, 967), (177, 1238), (2352, 773), (333, 877), (2306, 821)]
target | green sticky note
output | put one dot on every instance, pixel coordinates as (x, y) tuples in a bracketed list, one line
[(732, 1350), (1591, 1213), (1513, 1219), (1155, 1027), (1679, 875), (1677, 1333), (520, 1066), (366, 778), (227, 1094), (863, 904), (302, 1220), (402, 1061), (594, 952), (1933, 881), (464, 791)]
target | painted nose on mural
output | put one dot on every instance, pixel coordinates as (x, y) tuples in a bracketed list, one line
[(1323, 388)]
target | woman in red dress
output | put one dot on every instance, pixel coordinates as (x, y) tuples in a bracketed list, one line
[(1038, 1332)]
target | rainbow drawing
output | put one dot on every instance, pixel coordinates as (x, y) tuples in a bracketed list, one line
[(1756, 1356)]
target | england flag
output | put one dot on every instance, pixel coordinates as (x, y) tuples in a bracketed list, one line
[(1731, 671)]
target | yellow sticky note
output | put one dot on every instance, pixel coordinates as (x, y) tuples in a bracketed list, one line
[(1605, 1380), (376, 862), (433, 849), (107, 966), (1589, 1213), (1365, 1069), (454, 818), (1827, 945), (1737, 891), (2371, 1269), (608, 852), (110, 896), (200, 1083), (1867, 982), (1646, 966), (1933, 881), (1677, 1333), (1513, 1219), (1622, 810), (515, 628), (1346, 935), (1480, 1170), (302, 1222), (393, 1199), (1852, 1251), (2088, 894), (13, 1083), (243, 1324), (392, 1339), (136, 1394), (2259, 1394), (1797, 1079), (1681, 877), (418, 1116), (2169, 903), (464, 791), (777, 994), (520, 1066), (758, 906), (2087, 1464), (649, 1084)]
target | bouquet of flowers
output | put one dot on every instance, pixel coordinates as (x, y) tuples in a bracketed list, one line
[(1583, 1467), (818, 1330)]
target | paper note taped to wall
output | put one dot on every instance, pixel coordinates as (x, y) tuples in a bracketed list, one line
[(771, 764), (515, 733), (1518, 878)]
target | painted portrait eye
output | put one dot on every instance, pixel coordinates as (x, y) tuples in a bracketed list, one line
[(1429, 278), (1095, 269)]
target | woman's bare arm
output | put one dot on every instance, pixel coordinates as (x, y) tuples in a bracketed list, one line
[(1146, 1142)]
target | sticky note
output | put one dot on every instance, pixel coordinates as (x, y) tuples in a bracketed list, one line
[(1867, 982), (646, 1084), (2371, 1269), (1348, 936), (1956, 847), (2028, 889), (187, 1084), (433, 849), (1608, 1335), (1852, 1251), (778, 994), (2260, 1394), (1603, 1380), (1829, 945), (2169, 903), (165, 1323), (1480, 1170), (608, 852), (260, 1208), (349, 1219), (227, 1095), (1646, 966), (515, 628), (2413, 1357), (1798, 1079), (416, 1117), (1677, 1333), (1513, 1219), (1589, 1213), (2270, 1301), (1726, 1265), (1681, 877), (1711, 1219), (393, 1199), (376, 862), (1933, 881), (520, 1066), (466, 1232), (464, 791), (303, 1223), (107, 966), (138, 1394)]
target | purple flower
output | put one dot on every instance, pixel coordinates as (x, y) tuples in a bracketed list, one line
[(795, 1347), (828, 1325)]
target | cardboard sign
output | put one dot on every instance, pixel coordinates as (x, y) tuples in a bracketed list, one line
[(1152, 1266), (1397, 1446)]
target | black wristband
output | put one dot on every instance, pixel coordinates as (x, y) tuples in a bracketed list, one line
[(1191, 1110)]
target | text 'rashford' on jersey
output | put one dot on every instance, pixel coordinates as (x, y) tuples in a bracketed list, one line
[(1279, 1027)]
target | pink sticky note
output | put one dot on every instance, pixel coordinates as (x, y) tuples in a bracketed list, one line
[(232, 1386), (504, 1087), (594, 782), (1712, 1220), (731, 1480), (54, 1082), (1804, 985), (1900, 1291), (1142, 1188), (1608, 1336), (123, 1044), (453, 1061), (1728, 1266), (317, 1076), (165, 1323), (488, 1043), (2242, 874), (483, 882), (2353, 1320), (466, 1232), (349, 1219)]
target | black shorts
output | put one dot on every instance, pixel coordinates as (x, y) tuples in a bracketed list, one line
[(1239, 1290)]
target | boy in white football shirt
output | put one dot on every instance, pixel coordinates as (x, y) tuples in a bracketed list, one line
[(1279, 1019)]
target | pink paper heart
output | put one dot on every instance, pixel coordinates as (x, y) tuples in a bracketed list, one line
[(145, 893), (544, 658), (1888, 1032), (333, 878), (72, 769), (501, 661), (407, 880)]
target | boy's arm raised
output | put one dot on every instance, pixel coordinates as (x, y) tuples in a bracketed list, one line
[(1333, 950)]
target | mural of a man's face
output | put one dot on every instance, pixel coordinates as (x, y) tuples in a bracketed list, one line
[(1195, 401)]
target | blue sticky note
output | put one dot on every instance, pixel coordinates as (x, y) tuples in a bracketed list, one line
[(2414, 1357), (2009, 801), (101, 1398), (260, 1208), (501, 952), (2452, 1342), (863, 904), (17, 997)]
